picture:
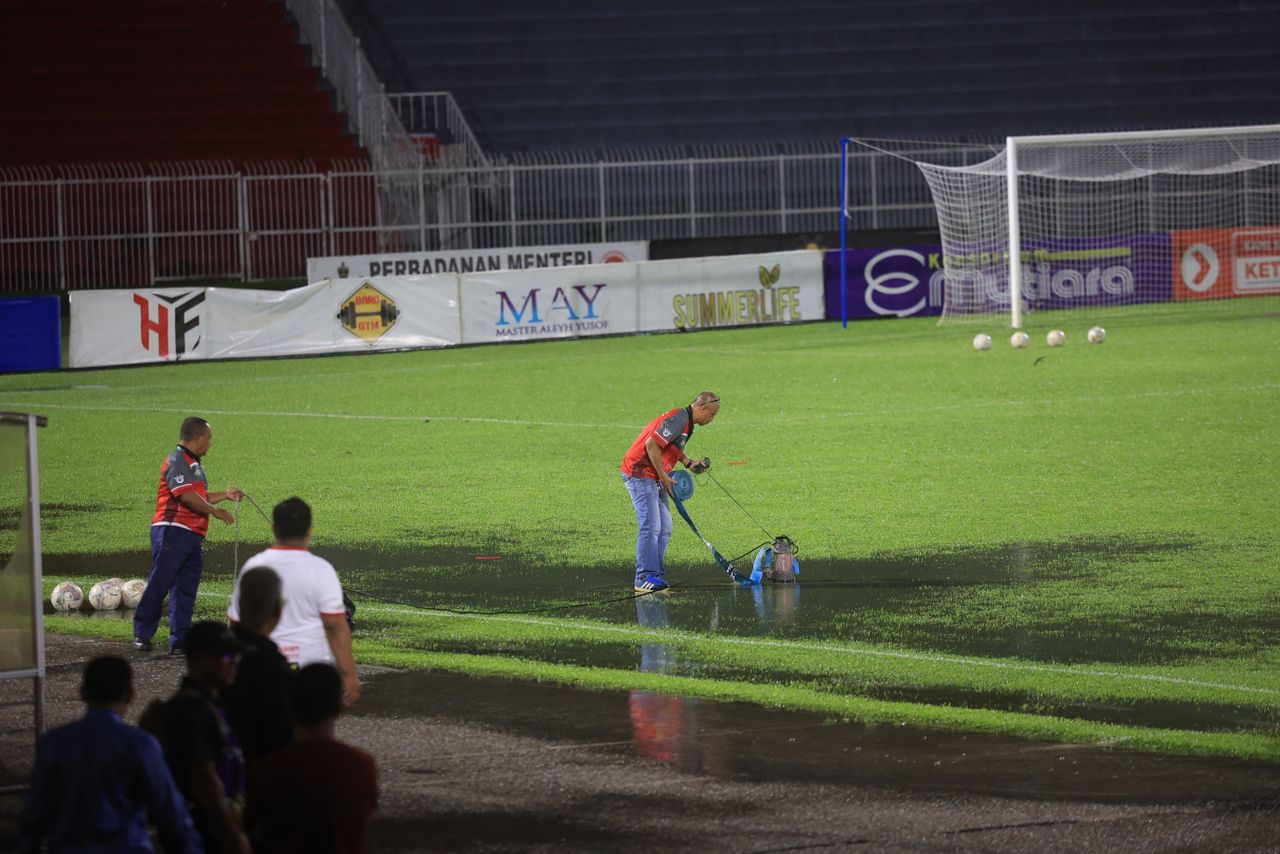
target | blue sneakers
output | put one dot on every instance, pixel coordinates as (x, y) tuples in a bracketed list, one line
[(651, 584)]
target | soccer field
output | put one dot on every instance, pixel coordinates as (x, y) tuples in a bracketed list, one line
[(1076, 543)]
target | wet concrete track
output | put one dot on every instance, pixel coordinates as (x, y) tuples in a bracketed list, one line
[(650, 771), (480, 765)]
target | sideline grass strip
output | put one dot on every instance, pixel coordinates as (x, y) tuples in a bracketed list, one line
[(850, 707), (815, 676)]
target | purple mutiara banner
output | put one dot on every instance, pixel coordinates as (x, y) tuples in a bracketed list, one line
[(910, 280), (899, 282)]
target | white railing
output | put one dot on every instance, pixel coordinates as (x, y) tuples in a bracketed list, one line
[(359, 93), (438, 114), (112, 226)]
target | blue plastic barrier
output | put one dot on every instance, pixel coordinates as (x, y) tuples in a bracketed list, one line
[(30, 334)]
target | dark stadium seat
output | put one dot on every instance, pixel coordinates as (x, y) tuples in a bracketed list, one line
[(127, 88), (608, 73), (148, 81)]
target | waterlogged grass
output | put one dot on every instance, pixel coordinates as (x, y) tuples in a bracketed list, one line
[(1124, 706), (1078, 543)]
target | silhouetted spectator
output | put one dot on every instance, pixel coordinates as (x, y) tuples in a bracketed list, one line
[(257, 702), (316, 794), (200, 747), (97, 780)]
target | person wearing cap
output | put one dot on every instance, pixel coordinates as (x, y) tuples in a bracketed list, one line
[(178, 528), (646, 472), (199, 746)]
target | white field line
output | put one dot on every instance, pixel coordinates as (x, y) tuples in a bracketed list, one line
[(461, 419), (677, 635), (251, 413), (268, 378), (1053, 401)]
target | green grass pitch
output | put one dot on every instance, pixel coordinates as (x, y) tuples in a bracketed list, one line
[(1075, 543)]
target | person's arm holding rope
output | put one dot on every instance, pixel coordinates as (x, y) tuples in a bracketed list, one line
[(193, 502)]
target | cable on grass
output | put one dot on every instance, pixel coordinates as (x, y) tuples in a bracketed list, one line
[(740, 507)]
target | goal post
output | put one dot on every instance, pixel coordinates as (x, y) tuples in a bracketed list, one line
[(21, 596), (1097, 220)]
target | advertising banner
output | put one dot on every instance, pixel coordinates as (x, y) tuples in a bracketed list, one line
[(133, 327), (1217, 263), (167, 325), (1067, 273), (332, 317), (475, 260), (550, 303), (900, 282), (781, 287), (735, 290), (1118, 270), (402, 312)]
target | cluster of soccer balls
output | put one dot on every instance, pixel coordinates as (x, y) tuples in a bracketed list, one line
[(103, 596), (1055, 338)]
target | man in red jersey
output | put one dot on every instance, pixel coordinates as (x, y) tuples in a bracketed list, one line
[(646, 472), (183, 507)]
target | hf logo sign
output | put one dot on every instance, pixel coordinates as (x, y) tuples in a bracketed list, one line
[(168, 323)]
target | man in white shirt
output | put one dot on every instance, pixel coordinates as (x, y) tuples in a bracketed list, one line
[(313, 623)]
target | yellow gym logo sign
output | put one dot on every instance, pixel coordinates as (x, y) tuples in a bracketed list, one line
[(368, 313)]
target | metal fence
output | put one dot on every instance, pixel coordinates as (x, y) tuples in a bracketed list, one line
[(112, 227), (337, 53), (438, 116), (363, 99)]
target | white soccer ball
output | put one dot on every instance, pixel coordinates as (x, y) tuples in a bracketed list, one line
[(66, 596), (1056, 338), (982, 341), (131, 592), (1019, 340), (105, 596), (1097, 335)]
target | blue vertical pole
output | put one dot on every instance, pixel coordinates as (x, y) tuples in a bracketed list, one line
[(844, 224)]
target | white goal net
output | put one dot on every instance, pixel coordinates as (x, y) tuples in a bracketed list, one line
[(1110, 219)]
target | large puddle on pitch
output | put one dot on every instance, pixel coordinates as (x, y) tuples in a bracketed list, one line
[(1062, 603), (1067, 602)]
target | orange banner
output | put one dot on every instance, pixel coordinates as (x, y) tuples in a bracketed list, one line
[(1220, 262)]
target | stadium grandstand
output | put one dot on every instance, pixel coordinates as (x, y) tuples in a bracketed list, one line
[(986, 290), (154, 141)]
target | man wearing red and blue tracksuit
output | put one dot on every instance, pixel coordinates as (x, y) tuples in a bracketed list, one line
[(183, 507), (646, 472)]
